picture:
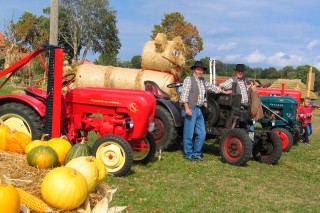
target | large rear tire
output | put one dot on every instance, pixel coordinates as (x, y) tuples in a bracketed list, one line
[(165, 132), (149, 150), (235, 147), (285, 136), (115, 152), (270, 151), (22, 118)]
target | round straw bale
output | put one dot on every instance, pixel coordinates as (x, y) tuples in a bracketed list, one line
[(123, 78), (161, 78), (167, 60), (90, 75)]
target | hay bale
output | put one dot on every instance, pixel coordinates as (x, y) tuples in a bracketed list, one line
[(123, 78), (161, 78), (163, 55), (90, 75)]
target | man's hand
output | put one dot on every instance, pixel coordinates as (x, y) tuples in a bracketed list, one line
[(188, 112)]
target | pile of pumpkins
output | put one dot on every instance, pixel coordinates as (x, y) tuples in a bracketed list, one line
[(65, 187)]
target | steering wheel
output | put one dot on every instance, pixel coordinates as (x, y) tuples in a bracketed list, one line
[(68, 79), (174, 85)]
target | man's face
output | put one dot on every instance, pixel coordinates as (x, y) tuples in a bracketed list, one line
[(239, 74), (198, 71)]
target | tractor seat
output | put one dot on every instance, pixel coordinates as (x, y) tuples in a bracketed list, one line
[(36, 92), (155, 90)]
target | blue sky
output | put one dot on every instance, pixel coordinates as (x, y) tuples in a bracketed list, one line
[(260, 33)]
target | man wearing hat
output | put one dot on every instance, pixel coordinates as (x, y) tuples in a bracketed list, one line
[(242, 87), (193, 97)]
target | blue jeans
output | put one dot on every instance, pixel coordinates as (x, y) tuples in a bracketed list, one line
[(194, 133), (307, 132)]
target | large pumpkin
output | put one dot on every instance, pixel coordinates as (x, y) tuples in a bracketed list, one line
[(88, 168), (9, 199), (4, 131), (64, 188), (78, 150), (17, 141), (35, 143), (61, 146), (43, 157)]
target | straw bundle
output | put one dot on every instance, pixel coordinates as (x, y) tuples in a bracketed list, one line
[(294, 84), (90, 75), (122, 78), (163, 55)]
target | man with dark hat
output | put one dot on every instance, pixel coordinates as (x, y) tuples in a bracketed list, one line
[(193, 97), (242, 87)]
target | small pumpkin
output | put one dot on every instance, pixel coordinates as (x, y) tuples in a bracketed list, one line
[(103, 173), (35, 143), (61, 146), (64, 188), (9, 199), (4, 131), (43, 157), (88, 168), (17, 141), (78, 150)]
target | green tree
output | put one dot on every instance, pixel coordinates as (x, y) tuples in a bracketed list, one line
[(173, 24), (91, 26), (270, 72), (136, 61)]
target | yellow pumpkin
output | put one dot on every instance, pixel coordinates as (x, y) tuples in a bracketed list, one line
[(64, 188), (61, 146), (88, 168), (17, 141), (35, 143), (4, 131), (9, 199)]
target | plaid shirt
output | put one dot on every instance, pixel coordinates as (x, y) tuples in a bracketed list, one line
[(243, 88), (203, 85)]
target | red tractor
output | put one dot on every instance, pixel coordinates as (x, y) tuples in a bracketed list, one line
[(120, 120)]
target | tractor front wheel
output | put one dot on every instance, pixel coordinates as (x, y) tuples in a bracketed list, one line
[(147, 152), (115, 152), (235, 147), (268, 150), (285, 136), (22, 118)]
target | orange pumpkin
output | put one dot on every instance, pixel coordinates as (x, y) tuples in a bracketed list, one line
[(9, 199), (61, 146), (4, 131), (35, 143), (17, 141)]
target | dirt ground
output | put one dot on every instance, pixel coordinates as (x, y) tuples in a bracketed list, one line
[(14, 169)]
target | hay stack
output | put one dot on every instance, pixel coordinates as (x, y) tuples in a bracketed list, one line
[(163, 55), (294, 84)]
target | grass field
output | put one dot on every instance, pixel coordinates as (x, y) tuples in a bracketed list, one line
[(176, 185)]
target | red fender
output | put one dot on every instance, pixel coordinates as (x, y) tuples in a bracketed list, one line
[(34, 103)]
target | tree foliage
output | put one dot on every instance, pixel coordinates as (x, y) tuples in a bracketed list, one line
[(173, 24), (91, 25)]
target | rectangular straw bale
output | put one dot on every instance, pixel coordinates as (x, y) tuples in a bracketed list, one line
[(90, 75)]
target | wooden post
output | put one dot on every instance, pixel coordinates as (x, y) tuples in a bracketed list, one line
[(309, 82), (53, 38)]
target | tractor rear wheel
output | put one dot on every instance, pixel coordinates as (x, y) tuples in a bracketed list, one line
[(285, 136), (268, 151), (235, 147), (22, 118), (149, 150), (165, 132), (115, 152)]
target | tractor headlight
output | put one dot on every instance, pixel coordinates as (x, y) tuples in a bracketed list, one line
[(151, 127), (129, 124)]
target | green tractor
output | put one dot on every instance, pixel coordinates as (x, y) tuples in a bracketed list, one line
[(281, 118)]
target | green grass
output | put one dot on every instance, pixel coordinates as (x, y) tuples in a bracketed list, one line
[(173, 184)]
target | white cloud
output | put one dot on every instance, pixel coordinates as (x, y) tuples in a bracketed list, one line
[(232, 58), (226, 46), (255, 57), (281, 59), (313, 44)]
